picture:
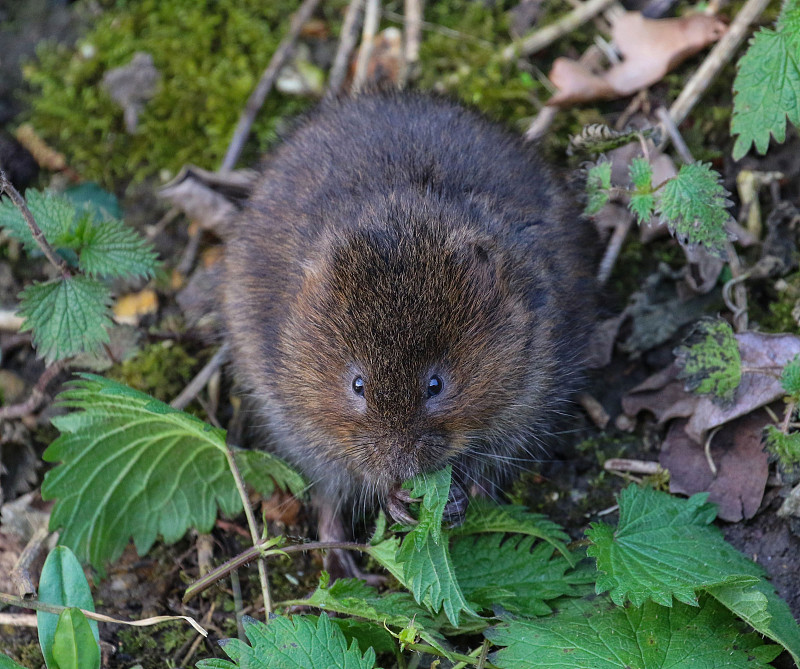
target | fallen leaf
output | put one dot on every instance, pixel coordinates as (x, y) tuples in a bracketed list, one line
[(576, 84), (738, 454), (129, 309), (282, 507)]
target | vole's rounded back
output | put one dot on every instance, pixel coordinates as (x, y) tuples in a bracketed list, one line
[(408, 286)]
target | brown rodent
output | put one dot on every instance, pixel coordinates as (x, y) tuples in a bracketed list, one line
[(409, 286)]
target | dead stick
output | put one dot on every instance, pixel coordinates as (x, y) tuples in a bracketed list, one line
[(20, 573), (546, 36), (371, 22), (199, 382), (412, 36), (257, 97), (38, 236), (347, 42), (721, 53), (37, 394)]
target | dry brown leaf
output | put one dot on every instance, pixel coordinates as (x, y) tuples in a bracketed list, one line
[(738, 454), (281, 507), (129, 309), (763, 358), (650, 49)]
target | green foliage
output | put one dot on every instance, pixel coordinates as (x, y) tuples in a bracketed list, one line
[(597, 138), (74, 647), (642, 200), (132, 466), (67, 316), (790, 378), (662, 548), (433, 490), (694, 206), (209, 54), (263, 471), (767, 85), (596, 635), (71, 315), (710, 361), (288, 643), (64, 583), (598, 183), (785, 447), (161, 369), (7, 663)]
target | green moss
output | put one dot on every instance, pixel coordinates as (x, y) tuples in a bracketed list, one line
[(161, 369), (210, 54), (778, 315)]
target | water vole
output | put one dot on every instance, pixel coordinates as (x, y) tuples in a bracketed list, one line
[(408, 286)]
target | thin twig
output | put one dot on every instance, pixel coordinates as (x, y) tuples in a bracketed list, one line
[(674, 134), (546, 36), (257, 97), (707, 450), (19, 619), (721, 53), (736, 285), (20, 573), (613, 248), (251, 522), (371, 21), (347, 42), (412, 37), (58, 262), (10, 320), (199, 382), (645, 467), (442, 30), (37, 395)]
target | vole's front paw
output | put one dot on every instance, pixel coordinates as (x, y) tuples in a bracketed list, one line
[(456, 508), (396, 503)]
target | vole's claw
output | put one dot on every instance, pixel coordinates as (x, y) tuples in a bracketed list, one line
[(396, 506), (456, 508), (405, 495)]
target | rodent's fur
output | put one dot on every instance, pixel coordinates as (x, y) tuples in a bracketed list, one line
[(394, 237)]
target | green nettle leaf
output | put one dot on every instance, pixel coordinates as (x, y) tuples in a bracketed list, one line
[(366, 634), (74, 646), (55, 216), (98, 202), (132, 466), (790, 378), (67, 316), (641, 174), (665, 547), (785, 447), (486, 516), (263, 471), (7, 663), (434, 490), (642, 205), (598, 183), (596, 635), (63, 583), (710, 361), (495, 570), (694, 206), (112, 249), (287, 643), (767, 85)]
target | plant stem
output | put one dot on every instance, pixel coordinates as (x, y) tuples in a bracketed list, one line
[(424, 648), (38, 236)]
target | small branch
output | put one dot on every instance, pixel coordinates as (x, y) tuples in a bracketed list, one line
[(546, 36), (257, 97), (425, 648), (20, 573), (347, 42), (787, 418), (19, 619), (251, 522), (738, 303), (10, 321), (203, 376), (674, 134), (58, 262), (412, 37), (37, 395), (613, 249), (371, 22), (721, 53), (645, 467), (707, 450)]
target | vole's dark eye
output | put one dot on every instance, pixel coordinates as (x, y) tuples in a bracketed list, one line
[(358, 386), (435, 385)]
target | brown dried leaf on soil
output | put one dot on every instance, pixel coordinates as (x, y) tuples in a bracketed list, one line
[(763, 358), (650, 48), (737, 452)]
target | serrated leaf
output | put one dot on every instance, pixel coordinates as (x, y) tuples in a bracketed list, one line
[(598, 183), (641, 174), (790, 378), (132, 466), (55, 216), (62, 583), (694, 204), (595, 635), (767, 85), (709, 360), (434, 490), (642, 205), (67, 316), (495, 570), (263, 471), (74, 646), (785, 447), (99, 203), (111, 249), (7, 663), (486, 516), (598, 138), (665, 547), (289, 643), (367, 635)]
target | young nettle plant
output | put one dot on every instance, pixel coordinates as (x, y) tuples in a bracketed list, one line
[(71, 313)]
